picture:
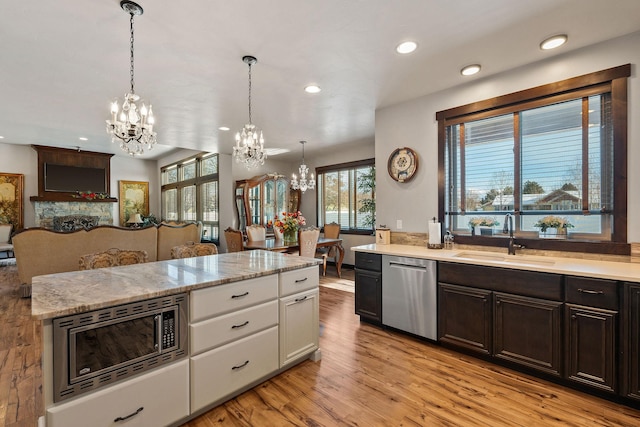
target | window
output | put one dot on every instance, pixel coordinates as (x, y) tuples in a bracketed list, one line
[(346, 195), (190, 193), (554, 151)]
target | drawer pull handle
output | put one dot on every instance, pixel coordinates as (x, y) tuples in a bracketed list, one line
[(241, 295), (300, 299), (587, 291), (129, 416), (240, 366), (301, 280), (240, 326)]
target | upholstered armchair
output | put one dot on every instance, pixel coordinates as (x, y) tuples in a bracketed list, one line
[(5, 239), (192, 249), (112, 258)]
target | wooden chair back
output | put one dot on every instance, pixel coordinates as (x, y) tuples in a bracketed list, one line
[(234, 239), (192, 249), (332, 230), (112, 258), (308, 240), (256, 232)]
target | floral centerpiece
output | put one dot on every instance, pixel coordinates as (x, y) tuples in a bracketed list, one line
[(555, 223), (289, 224), (90, 195), (482, 225)]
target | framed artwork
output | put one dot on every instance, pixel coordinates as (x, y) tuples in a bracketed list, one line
[(11, 188), (133, 198)]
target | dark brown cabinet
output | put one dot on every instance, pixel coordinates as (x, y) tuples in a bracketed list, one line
[(591, 325), (368, 287), (522, 325), (464, 318), (591, 346), (631, 328), (527, 331)]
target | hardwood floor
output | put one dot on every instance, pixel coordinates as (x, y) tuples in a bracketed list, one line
[(367, 377)]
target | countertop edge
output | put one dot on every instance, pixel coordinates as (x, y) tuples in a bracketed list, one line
[(623, 271)]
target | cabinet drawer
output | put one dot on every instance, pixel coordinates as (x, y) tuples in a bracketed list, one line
[(219, 373), (232, 326), (157, 398), (369, 261), (295, 281), (597, 293), (221, 299)]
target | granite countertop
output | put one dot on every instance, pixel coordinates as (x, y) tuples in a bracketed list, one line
[(626, 271), (61, 294)]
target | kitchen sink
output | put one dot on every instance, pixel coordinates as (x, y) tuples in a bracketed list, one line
[(513, 259)]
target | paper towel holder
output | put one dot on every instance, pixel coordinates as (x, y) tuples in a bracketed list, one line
[(434, 245)]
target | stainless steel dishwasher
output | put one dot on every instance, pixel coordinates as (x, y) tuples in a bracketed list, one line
[(409, 295)]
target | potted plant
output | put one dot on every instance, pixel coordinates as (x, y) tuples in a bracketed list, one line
[(482, 225), (553, 227)]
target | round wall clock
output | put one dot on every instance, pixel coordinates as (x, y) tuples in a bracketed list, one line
[(403, 164)]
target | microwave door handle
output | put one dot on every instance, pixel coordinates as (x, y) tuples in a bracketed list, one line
[(158, 321)]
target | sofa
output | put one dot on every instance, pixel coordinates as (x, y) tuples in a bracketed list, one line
[(41, 251)]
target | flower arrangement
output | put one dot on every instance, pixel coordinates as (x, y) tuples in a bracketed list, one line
[(289, 223), (90, 195), (552, 221), (483, 221)]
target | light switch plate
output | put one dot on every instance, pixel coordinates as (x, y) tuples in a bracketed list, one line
[(399, 224)]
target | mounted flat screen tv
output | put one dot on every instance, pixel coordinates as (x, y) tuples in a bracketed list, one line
[(74, 178)]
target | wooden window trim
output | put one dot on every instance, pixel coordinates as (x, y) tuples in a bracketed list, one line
[(615, 80)]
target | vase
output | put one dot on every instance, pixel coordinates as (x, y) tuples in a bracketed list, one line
[(290, 236)]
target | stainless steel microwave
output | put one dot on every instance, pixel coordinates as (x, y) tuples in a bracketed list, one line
[(100, 347)]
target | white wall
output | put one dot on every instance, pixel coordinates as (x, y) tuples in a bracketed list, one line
[(413, 124)]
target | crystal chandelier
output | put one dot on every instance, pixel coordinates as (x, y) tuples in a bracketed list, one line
[(303, 184), (249, 147), (133, 127)]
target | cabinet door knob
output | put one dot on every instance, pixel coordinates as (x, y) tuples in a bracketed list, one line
[(574, 317)]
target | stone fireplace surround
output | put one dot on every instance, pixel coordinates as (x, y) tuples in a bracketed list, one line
[(46, 211)]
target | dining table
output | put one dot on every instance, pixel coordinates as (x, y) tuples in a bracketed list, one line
[(279, 245)]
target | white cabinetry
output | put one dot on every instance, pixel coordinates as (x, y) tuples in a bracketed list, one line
[(233, 338), (157, 398), (299, 314)]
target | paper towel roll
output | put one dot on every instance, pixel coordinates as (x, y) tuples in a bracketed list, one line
[(434, 233)]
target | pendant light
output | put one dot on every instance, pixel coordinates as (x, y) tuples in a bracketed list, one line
[(133, 126)]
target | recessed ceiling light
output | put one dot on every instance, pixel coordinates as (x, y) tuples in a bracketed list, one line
[(82, 138), (553, 42), (470, 70), (1, 137), (223, 128), (406, 47), (312, 89)]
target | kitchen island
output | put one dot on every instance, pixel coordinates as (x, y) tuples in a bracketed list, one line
[(573, 321), (249, 316)]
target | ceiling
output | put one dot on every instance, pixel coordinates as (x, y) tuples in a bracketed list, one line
[(64, 61)]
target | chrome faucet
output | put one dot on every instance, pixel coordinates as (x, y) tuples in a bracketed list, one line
[(508, 228)]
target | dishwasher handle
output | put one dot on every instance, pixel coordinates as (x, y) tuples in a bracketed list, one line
[(409, 266)]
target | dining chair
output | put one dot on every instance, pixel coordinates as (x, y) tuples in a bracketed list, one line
[(192, 249), (234, 239), (308, 240), (112, 258), (256, 232), (279, 235), (331, 231)]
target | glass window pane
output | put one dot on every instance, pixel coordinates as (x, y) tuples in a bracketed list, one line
[(188, 203), (170, 205), (209, 165), (331, 191), (209, 201), (188, 170), (170, 175)]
